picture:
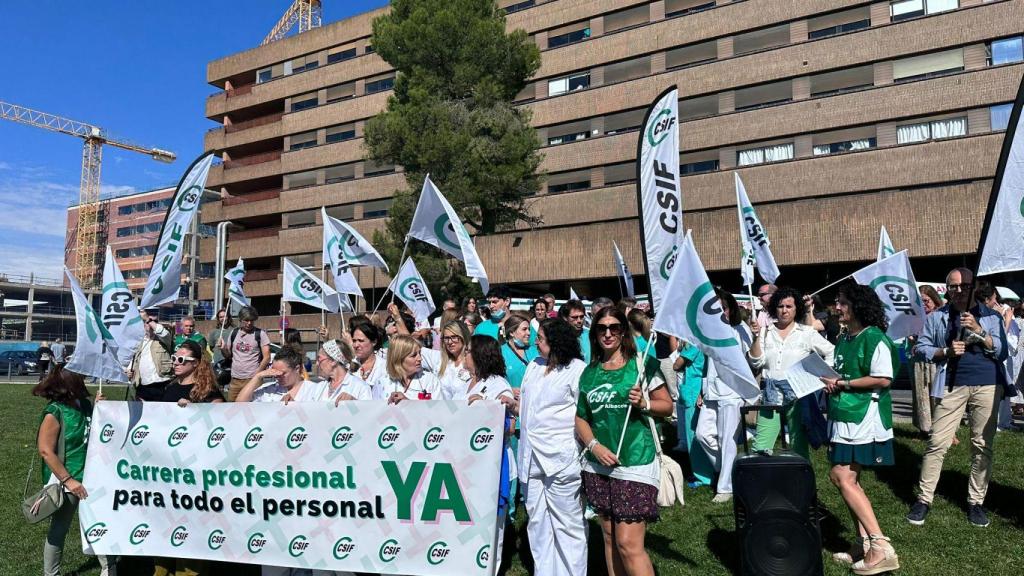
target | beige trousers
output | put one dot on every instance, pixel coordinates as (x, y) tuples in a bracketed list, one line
[(984, 404)]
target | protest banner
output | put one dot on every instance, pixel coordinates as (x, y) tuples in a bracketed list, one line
[(363, 486)]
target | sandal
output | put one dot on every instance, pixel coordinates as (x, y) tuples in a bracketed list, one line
[(856, 552), (889, 561)]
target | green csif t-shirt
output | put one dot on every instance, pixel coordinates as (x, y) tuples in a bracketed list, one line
[(603, 402)]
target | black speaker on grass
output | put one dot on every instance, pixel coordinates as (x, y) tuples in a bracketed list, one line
[(776, 508)]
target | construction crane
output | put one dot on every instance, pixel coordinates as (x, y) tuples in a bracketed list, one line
[(87, 248), (305, 13)]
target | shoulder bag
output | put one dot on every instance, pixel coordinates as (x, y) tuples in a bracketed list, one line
[(49, 498)]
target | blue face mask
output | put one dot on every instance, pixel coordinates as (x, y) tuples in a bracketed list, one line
[(521, 345), (497, 315)]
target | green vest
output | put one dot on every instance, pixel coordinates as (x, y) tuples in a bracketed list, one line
[(604, 401), (853, 360), (75, 426)]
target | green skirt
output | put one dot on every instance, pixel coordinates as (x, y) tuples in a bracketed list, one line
[(868, 455)]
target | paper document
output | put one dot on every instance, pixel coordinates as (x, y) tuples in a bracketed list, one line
[(804, 377)]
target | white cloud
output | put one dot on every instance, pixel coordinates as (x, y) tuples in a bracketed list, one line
[(5, 166), (43, 262)]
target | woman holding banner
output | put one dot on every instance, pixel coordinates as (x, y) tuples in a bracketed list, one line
[(860, 411), (549, 468), (62, 441), (194, 381), (406, 378), (621, 473), (333, 360), (775, 348)]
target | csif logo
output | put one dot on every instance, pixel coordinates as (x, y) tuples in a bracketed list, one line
[(95, 532), (296, 437), (896, 293), (705, 302), (306, 288), (188, 198), (481, 439), (389, 550), (343, 547), (433, 438), (342, 436), (387, 437), (600, 396), (139, 434), (298, 546), (483, 556), (446, 233), (438, 552), (138, 534), (253, 437), (257, 541), (668, 262), (350, 248), (412, 289), (107, 433), (660, 127), (178, 536), (216, 436), (216, 539), (177, 436)]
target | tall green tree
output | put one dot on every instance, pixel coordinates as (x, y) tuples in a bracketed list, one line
[(451, 116)]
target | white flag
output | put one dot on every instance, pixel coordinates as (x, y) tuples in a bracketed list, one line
[(352, 246), (119, 313), (435, 222), (754, 236), (573, 295), (301, 286), (165, 275), (696, 316), (95, 350), (236, 287), (627, 277), (885, 248), (410, 287), (341, 269), (1003, 241), (661, 201), (893, 281)]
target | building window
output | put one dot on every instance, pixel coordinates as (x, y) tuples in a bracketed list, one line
[(627, 18), (839, 81), (346, 212), (376, 208), (380, 85), (341, 133), (568, 186), (569, 84), (369, 49), (518, 6), (1000, 116), (623, 121), (300, 180), (140, 229), (928, 65), (935, 130), (839, 23), (764, 95), (568, 138), (681, 7), (765, 154), (341, 55), (698, 167), (144, 207), (569, 181), (136, 251), (761, 39), (619, 173), (627, 70), (301, 64), (334, 174), (1007, 50), (306, 104), (699, 107), (569, 37), (341, 91), (847, 146), (691, 55), (371, 168), (264, 75), (904, 9), (304, 140)]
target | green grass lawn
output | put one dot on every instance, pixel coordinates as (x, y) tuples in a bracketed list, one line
[(697, 539)]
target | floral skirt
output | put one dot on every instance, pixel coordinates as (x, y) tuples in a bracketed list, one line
[(621, 500)]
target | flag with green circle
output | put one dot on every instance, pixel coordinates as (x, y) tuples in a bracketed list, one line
[(409, 286), (300, 286), (120, 315), (95, 349), (893, 281)]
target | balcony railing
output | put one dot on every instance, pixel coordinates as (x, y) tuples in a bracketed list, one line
[(260, 121), (253, 159), (270, 194)]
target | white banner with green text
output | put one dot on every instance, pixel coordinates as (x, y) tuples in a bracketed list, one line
[(363, 486)]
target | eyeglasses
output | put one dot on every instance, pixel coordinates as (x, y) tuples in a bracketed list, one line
[(182, 359), (958, 287), (613, 329), (451, 339)]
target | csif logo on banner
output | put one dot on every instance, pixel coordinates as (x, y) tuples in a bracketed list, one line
[(433, 438), (341, 437), (755, 232), (178, 536), (389, 550), (660, 127), (668, 262), (350, 248), (253, 437), (107, 433), (704, 300), (120, 303), (483, 556), (336, 249), (445, 232), (438, 552), (343, 547), (412, 289), (298, 546), (216, 436), (296, 437), (177, 436), (307, 289), (897, 294), (139, 434), (387, 437), (95, 532), (139, 534), (257, 541), (481, 439), (216, 539)]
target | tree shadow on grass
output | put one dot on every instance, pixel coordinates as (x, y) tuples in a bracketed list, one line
[(831, 530), (902, 478), (723, 542)]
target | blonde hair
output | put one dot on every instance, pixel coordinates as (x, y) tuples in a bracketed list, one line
[(462, 331), (400, 347)]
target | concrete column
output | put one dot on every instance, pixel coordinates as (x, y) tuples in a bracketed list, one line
[(657, 10), (801, 88), (28, 316)]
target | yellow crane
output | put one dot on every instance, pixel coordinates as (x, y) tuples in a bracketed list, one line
[(87, 248), (304, 13)]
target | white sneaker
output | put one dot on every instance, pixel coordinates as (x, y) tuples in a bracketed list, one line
[(589, 513), (722, 497)]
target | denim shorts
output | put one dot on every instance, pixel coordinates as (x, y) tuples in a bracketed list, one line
[(778, 392)]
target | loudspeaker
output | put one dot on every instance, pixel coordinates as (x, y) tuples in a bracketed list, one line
[(776, 508)]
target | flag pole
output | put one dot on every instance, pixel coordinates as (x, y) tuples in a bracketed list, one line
[(639, 376), (832, 284)]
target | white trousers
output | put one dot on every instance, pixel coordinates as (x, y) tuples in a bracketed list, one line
[(557, 530), (717, 428)]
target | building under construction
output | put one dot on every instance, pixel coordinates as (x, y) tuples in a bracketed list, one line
[(841, 116)]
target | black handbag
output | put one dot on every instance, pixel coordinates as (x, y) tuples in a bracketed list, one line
[(49, 498)]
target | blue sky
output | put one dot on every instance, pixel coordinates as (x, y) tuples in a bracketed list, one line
[(137, 69)]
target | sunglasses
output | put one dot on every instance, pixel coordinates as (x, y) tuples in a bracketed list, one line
[(613, 329), (182, 359), (958, 287)]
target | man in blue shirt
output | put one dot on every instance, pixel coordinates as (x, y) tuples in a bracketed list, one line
[(498, 302), (967, 341), (575, 313)]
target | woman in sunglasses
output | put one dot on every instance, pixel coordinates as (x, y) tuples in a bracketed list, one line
[(621, 481), (333, 360), (193, 377)]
